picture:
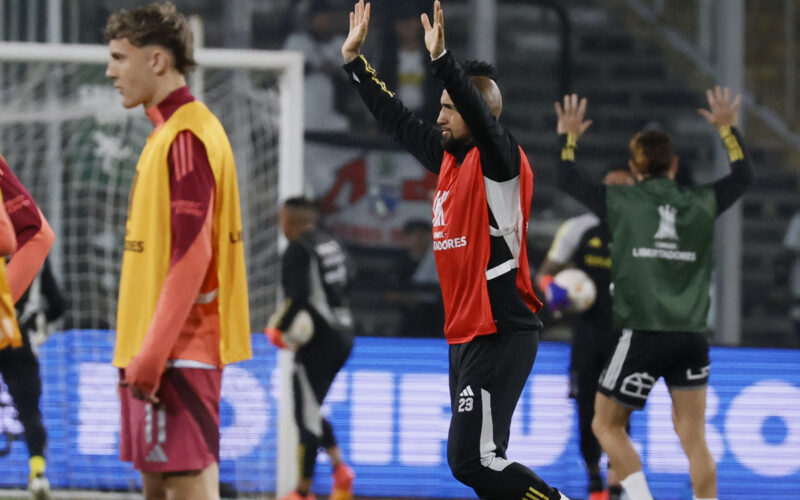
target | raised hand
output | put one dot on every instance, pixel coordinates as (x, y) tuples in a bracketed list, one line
[(359, 24), (723, 113), (570, 116), (434, 35)]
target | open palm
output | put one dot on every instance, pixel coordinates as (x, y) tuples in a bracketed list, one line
[(359, 25), (434, 33), (571, 114), (723, 112)]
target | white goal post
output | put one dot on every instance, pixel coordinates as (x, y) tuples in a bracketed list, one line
[(32, 89)]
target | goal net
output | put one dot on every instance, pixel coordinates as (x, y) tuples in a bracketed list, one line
[(64, 133)]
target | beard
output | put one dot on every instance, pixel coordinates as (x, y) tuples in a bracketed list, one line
[(456, 146)]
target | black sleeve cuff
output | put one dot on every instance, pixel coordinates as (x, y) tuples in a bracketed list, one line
[(444, 67), (357, 66)]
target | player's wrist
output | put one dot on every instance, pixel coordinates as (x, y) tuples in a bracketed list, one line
[(349, 55), (569, 147), (732, 146)]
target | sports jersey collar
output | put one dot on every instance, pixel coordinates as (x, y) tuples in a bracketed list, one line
[(161, 112)]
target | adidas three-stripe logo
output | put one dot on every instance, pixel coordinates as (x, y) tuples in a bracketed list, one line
[(465, 400), (156, 454)]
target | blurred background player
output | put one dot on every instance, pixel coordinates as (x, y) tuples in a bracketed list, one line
[(582, 242), (661, 254), (39, 308), (183, 310), (315, 275), (480, 216), (19, 366)]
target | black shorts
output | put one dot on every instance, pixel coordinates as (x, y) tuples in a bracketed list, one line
[(642, 357), (487, 376)]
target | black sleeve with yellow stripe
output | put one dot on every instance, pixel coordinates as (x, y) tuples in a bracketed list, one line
[(419, 138), (730, 188), (575, 184)]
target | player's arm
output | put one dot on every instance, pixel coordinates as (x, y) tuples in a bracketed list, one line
[(34, 236), (296, 284), (419, 138), (191, 220), (499, 150), (295, 280), (724, 113), (571, 125), (8, 239), (558, 257)]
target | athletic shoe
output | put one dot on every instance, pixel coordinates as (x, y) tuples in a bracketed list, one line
[(39, 487), (598, 495), (343, 477), (294, 495)]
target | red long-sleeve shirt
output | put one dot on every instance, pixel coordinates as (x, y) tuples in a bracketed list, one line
[(182, 328)]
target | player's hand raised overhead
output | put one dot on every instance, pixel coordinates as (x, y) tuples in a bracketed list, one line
[(723, 112), (434, 34), (359, 25), (570, 116)]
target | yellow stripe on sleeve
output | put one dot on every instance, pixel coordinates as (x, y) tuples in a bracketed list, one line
[(732, 145), (568, 151), (374, 76)]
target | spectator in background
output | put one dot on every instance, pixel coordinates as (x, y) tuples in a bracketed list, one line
[(405, 62), (319, 41), (419, 296)]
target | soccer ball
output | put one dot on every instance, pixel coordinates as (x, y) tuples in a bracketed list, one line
[(300, 331), (580, 288)]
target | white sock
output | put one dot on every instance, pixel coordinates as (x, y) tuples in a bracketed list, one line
[(563, 496), (635, 486), (695, 498)]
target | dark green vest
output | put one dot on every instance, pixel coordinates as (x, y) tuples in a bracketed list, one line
[(661, 252)]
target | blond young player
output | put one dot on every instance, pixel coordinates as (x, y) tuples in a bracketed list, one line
[(183, 311)]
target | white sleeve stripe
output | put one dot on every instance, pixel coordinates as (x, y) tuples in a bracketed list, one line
[(569, 236)]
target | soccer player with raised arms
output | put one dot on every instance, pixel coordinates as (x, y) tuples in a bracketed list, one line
[(480, 218), (661, 245), (183, 307)]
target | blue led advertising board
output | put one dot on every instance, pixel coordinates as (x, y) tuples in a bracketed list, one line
[(389, 408)]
